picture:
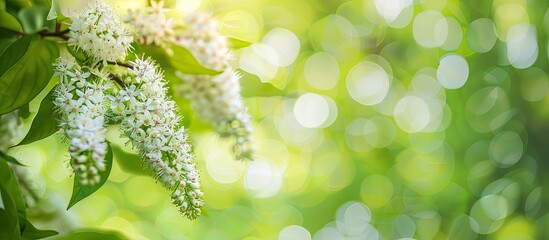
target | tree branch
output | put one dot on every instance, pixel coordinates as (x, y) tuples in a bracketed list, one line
[(117, 80), (123, 64), (61, 34)]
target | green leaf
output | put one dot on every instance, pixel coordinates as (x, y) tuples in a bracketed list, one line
[(9, 184), (80, 56), (24, 77), (45, 122), (93, 234), (251, 86), (55, 10), (7, 37), (10, 159), (9, 226), (156, 52), (33, 19), (236, 43), (24, 111), (14, 53), (184, 61), (45, 3), (80, 192), (9, 22), (129, 162), (18, 4), (31, 232)]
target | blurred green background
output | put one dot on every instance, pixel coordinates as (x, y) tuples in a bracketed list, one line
[(388, 119)]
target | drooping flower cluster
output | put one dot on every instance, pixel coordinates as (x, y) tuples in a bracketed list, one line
[(11, 130), (150, 122), (100, 33), (216, 98), (140, 104), (80, 101), (204, 41), (153, 26)]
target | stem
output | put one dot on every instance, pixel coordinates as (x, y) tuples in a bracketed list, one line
[(117, 80), (61, 34), (123, 64)]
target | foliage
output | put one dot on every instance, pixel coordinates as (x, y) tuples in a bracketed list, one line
[(32, 43), (376, 120), (80, 192), (25, 70), (44, 123)]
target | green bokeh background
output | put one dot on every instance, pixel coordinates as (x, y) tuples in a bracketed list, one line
[(424, 162)]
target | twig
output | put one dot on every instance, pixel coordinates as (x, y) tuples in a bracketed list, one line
[(61, 34), (123, 64), (117, 80)]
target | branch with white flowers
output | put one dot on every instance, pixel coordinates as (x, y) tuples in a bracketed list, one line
[(216, 99), (106, 76), (148, 117)]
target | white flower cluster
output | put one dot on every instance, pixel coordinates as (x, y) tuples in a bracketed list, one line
[(204, 41), (153, 26), (140, 104), (80, 100), (150, 121), (241, 129), (217, 100), (100, 33), (11, 129)]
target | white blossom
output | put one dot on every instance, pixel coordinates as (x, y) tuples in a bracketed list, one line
[(150, 122), (153, 26), (100, 33), (204, 41), (217, 100), (80, 101)]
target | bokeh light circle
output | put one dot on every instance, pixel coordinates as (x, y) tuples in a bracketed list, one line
[(428, 31), (294, 232), (285, 43), (262, 179), (481, 35), (453, 71), (534, 84), (506, 149), (522, 45), (412, 114), (260, 59), (391, 9), (368, 83), (321, 71), (313, 110), (376, 191)]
